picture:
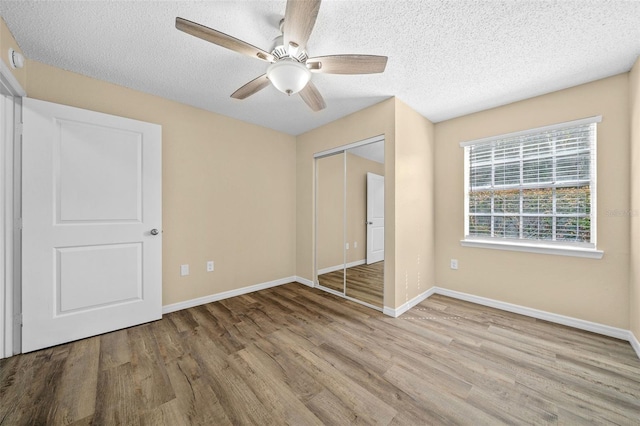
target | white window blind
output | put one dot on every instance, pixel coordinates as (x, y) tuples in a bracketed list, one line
[(536, 185)]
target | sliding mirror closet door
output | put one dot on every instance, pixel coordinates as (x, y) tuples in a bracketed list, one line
[(364, 279), (330, 195)]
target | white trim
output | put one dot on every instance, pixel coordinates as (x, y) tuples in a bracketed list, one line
[(466, 183), (356, 263), (16, 273), (635, 344), (331, 151), (593, 224), (593, 327), (535, 248), (304, 281), (344, 221), (490, 139), (341, 266), (314, 214), (330, 269), (408, 305), (6, 232), (225, 295), (10, 280), (9, 291), (9, 82)]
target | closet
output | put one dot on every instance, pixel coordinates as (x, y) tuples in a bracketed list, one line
[(349, 227)]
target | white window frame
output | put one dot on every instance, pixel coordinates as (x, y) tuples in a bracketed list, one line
[(561, 248)]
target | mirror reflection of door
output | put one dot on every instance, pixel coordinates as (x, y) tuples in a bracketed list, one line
[(375, 218), (365, 223), (330, 251)]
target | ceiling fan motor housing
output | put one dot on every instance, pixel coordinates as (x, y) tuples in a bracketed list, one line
[(280, 51)]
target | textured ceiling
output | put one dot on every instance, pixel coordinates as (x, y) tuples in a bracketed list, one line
[(446, 58)]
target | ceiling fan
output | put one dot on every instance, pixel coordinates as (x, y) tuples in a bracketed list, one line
[(290, 67)]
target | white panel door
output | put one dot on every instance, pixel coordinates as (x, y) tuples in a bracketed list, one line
[(375, 218), (92, 215)]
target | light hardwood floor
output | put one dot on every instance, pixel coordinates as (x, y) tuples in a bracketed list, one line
[(364, 282), (296, 355)]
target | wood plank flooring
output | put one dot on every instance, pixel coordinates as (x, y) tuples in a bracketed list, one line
[(364, 282), (333, 280), (300, 356)]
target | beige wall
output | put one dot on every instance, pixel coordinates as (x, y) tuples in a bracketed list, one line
[(415, 192), (330, 204), (331, 208), (589, 289), (228, 186), (373, 121), (7, 41), (634, 290)]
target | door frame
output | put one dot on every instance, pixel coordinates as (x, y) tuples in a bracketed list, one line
[(10, 206)]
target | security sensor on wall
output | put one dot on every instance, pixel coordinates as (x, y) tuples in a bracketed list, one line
[(16, 59)]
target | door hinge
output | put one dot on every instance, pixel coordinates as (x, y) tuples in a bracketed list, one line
[(18, 224), (18, 319), (18, 128)]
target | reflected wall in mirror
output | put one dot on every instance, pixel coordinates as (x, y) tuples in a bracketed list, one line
[(330, 253), (350, 222), (365, 223)]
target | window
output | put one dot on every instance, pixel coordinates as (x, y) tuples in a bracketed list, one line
[(534, 188)]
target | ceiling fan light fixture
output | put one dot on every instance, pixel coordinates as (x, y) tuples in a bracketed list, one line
[(288, 76)]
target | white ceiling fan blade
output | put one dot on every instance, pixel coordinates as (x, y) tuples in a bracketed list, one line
[(347, 64), (222, 39), (299, 19), (312, 97), (251, 87)]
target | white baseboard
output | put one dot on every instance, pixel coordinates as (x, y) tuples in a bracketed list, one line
[(580, 324), (407, 305), (225, 295), (304, 281), (594, 327), (330, 269), (635, 344), (341, 266), (356, 263)]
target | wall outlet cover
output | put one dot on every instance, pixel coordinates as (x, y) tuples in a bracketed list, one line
[(184, 270)]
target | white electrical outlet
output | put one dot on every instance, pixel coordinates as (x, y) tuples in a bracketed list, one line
[(454, 263), (184, 270), (347, 246), (355, 244), (210, 266)]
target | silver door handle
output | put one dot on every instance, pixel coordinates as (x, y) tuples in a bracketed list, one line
[(369, 223), (154, 231)]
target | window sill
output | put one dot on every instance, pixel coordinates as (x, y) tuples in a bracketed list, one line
[(591, 253)]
